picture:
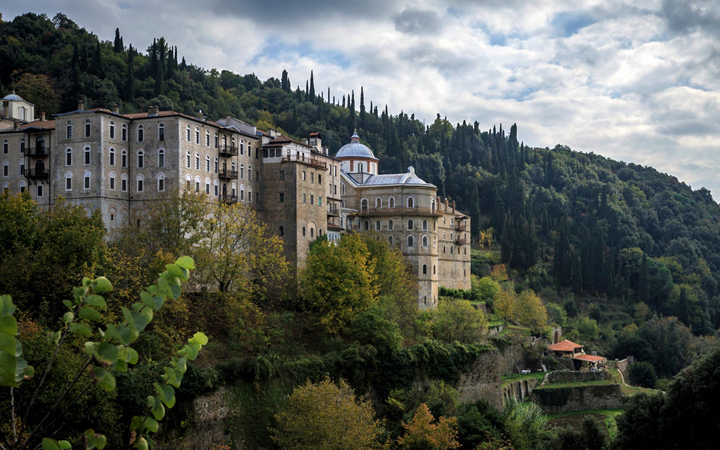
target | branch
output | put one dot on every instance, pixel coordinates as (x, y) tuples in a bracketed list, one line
[(12, 412), (42, 380), (57, 402)]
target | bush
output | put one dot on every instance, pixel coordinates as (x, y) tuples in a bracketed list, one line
[(642, 373)]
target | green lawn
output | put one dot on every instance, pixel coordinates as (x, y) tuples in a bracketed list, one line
[(519, 377), (628, 390), (577, 384)]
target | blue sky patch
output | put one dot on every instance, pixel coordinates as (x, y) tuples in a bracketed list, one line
[(570, 22)]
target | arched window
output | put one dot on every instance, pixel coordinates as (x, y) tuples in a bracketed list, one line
[(312, 232), (87, 127), (410, 202), (187, 134), (207, 186), (188, 182), (207, 138), (86, 156), (112, 214), (187, 160), (433, 205), (410, 241), (124, 182), (112, 130), (281, 231), (425, 241), (140, 134), (424, 269), (197, 184), (197, 161), (68, 181), (86, 180), (112, 156), (161, 182), (207, 160), (216, 188), (217, 140), (425, 226), (410, 224), (140, 159), (111, 181), (161, 158), (216, 164), (124, 132), (378, 202), (140, 183), (161, 132), (391, 202), (197, 135), (364, 205), (68, 129), (68, 157), (123, 158), (22, 186)]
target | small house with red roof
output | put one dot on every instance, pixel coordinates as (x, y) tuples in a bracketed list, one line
[(576, 352)]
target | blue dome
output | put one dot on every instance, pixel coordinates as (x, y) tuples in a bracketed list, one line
[(355, 149), (13, 97)]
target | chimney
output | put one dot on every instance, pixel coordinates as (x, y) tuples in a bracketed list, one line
[(81, 104), (453, 204), (42, 116), (116, 108), (153, 110)]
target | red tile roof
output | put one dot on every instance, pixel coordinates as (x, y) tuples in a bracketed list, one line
[(564, 346), (589, 358), (45, 124)]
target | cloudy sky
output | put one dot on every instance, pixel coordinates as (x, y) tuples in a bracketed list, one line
[(633, 80)]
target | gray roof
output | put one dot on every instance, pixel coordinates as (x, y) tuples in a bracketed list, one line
[(408, 178), (355, 149), (14, 97)]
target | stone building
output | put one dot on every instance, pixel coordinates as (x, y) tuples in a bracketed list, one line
[(405, 210), (122, 164)]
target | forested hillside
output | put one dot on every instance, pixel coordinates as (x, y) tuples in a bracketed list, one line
[(568, 222)]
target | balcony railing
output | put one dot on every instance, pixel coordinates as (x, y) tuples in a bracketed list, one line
[(229, 199), (309, 161), (428, 212), (334, 223), (460, 241), (35, 173), (227, 174), (333, 211), (228, 150), (37, 152), (460, 226)]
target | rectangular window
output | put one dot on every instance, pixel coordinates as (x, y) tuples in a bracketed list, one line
[(217, 141), (22, 146), (141, 135), (87, 129), (124, 133), (112, 158), (139, 185), (187, 134), (39, 190), (6, 170), (161, 159), (216, 190), (141, 160), (22, 168), (207, 188), (207, 139), (312, 199), (112, 131), (112, 183), (161, 184), (197, 186), (124, 159), (5, 146), (161, 133), (87, 156), (68, 184), (86, 182), (123, 185), (282, 197), (68, 130)]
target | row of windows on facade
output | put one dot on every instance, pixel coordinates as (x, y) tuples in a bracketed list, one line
[(379, 203), (160, 135), (87, 160), (391, 225), (22, 187)]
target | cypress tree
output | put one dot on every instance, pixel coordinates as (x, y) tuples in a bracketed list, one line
[(118, 43), (307, 88), (130, 76), (312, 87), (97, 61), (285, 81)]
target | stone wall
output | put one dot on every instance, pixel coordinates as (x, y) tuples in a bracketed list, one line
[(578, 398), (573, 376), (209, 431), (482, 382), (519, 390)]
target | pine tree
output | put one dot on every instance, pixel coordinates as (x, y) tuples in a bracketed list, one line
[(97, 63)]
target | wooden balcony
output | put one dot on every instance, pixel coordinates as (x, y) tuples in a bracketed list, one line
[(461, 241), (227, 151), (35, 173), (227, 174), (313, 162), (37, 151), (460, 226), (229, 199)]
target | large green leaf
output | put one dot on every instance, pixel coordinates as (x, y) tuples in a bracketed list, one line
[(185, 262), (8, 325), (102, 285), (96, 301)]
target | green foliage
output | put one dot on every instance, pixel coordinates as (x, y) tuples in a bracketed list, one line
[(642, 373), (689, 405), (485, 289), (526, 426), (458, 320), (110, 350), (13, 367)]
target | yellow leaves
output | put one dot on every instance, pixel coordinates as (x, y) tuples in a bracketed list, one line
[(421, 432)]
